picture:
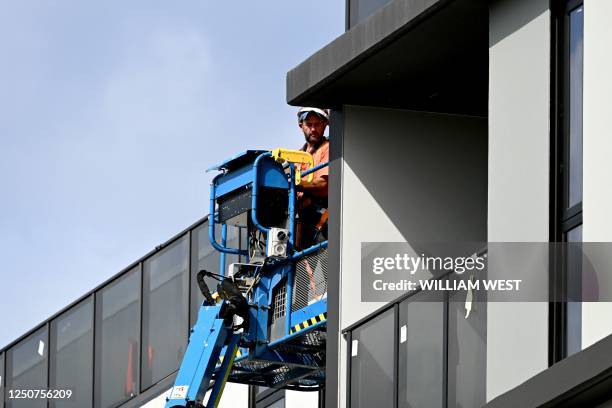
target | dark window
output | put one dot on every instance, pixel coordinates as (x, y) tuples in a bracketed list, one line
[(268, 397), (566, 209), (572, 216), (467, 357), (574, 153), (280, 403), (204, 256), (574, 278), (2, 380), (26, 368), (71, 358), (372, 362), (421, 353), (359, 10), (439, 349), (165, 311), (117, 340)]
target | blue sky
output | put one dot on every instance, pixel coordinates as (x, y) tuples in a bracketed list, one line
[(109, 114)]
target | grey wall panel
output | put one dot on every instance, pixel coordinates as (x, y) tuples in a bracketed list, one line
[(406, 176), (597, 151), (518, 198)]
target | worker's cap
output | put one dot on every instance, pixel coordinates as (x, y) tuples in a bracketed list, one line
[(304, 112)]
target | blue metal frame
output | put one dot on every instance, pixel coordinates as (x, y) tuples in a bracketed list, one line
[(210, 339), (315, 168), (211, 224), (255, 192)]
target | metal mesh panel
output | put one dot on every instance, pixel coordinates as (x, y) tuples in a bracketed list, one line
[(310, 282), (279, 306)]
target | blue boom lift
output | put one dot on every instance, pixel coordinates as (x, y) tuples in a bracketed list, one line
[(266, 323)]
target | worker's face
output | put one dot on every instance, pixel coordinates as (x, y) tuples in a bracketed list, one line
[(313, 127)]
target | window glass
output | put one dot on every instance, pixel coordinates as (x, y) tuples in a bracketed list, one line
[(165, 308), (204, 256), (467, 345), (421, 352), (372, 362), (361, 9), (576, 31), (26, 369), (1, 380), (574, 285), (117, 340), (72, 356), (269, 398), (277, 404)]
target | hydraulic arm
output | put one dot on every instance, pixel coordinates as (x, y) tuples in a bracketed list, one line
[(215, 330)]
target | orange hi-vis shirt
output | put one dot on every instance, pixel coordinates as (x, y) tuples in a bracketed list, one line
[(321, 155)]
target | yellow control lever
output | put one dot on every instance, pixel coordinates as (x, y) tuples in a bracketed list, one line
[(295, 156)]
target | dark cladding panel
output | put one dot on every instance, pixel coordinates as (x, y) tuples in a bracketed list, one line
[(26, 369), (117, 340), (359, 10), (372, 363), (2, 378), (72, 356), (165, 311)]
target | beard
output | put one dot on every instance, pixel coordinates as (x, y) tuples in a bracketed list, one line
[(313, 138)]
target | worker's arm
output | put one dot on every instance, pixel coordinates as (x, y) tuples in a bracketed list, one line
[(317, 187)]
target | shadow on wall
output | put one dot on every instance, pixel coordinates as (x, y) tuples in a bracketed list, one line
[(522, 13), (426, 171)]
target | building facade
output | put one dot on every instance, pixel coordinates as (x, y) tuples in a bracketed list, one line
[(466, 121)]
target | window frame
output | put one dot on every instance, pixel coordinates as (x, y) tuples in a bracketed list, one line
[(51, 380), (403, 315), (137, 270), (562, 218), (44, 327), (394, 309), (185, 281)]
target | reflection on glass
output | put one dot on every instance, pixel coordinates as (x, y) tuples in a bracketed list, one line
[(117, 340), (372, 362), (27, 369), (467, 352), (72, 356), (362, 9), (165, 308), (204, 256), (421, 353), (576, 31)]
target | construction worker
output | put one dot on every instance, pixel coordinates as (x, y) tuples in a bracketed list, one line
[(312, 195)]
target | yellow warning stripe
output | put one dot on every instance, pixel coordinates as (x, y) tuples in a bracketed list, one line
[(308, 322), (233, 354), (220, 359)]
